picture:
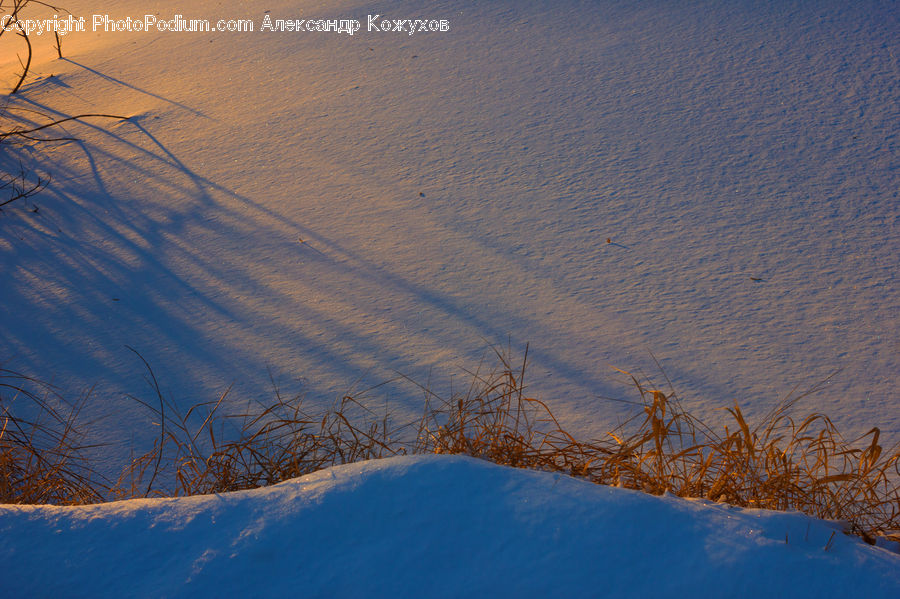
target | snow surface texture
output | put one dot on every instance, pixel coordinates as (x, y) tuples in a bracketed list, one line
[(435, 526), (456, 189)]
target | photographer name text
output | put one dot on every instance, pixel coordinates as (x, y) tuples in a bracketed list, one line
[(179, 24)]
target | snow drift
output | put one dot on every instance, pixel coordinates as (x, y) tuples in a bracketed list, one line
[(432, 526)]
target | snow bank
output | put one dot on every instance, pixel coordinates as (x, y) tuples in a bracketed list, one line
[(432, 526)]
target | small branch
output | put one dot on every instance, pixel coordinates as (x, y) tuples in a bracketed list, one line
[(19, 186), (26, 65), (54, 123)]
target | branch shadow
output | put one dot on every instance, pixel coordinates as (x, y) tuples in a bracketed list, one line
[(191, 274)]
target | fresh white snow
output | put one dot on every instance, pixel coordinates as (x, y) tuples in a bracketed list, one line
[(433, 526)]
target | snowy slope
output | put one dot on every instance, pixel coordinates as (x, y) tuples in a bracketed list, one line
[(456, 189), (437, 526)]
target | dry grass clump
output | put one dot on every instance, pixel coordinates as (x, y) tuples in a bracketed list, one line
[(495, 420), (42, 459), (274, 444), (780, 464), (268, 445)]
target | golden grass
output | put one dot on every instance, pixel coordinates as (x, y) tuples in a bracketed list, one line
[(780, 463), (41, 459)]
